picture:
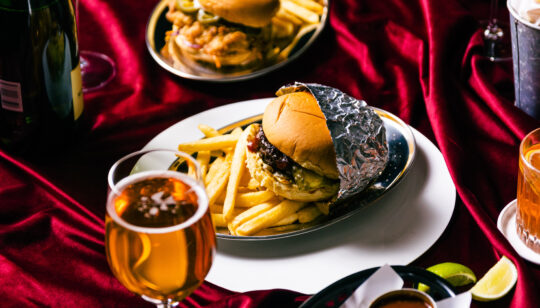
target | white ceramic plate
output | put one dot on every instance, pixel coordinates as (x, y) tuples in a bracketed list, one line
[(507, 225), (396, 229)]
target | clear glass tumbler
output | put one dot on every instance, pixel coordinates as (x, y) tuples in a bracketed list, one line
[(528, 194)]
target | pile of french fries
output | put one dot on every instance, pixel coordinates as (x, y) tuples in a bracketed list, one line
[(237, 202), (302, 16)]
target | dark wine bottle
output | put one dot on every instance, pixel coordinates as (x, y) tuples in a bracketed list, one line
[(40, 77)]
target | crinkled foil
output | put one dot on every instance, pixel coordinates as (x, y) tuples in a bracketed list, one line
[(358, 134)]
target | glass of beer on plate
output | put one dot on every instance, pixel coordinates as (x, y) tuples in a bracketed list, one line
[(528, 194), (160, 241)]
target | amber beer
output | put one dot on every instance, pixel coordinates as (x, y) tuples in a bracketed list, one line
[(159, 235), (528, 194)]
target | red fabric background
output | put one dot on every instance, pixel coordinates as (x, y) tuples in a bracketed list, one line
[(419, 59)]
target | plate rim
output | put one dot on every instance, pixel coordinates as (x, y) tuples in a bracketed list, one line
[(150, 33), (506, 224)]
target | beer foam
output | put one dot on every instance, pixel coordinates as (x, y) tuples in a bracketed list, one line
[(194, 186)]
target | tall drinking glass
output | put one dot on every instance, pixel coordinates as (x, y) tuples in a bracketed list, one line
[(528, 194), (160, 240)]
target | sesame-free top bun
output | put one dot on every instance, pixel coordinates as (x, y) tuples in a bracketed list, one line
[(261, 172), (295, 125), (253, 13)]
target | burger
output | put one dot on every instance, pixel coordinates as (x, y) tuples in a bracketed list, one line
[(224, 34), (291, 153)]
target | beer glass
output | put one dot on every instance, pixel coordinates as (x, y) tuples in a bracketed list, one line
[(159, 236), (528, 194)]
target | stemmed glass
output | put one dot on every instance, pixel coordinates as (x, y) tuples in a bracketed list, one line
[(496, 40), (97, 69), (159, 236)]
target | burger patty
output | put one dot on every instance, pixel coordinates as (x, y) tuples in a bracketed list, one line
[(287, 176), (271, 155)]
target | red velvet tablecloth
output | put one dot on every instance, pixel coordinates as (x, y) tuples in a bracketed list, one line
[(418, 59)]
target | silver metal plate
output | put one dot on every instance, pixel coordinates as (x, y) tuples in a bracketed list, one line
[(155, 39), (401, 149)]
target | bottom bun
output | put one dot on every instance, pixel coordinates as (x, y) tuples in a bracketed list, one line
[(261, 172)]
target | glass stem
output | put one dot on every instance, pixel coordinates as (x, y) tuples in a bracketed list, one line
[(167, 304), (493, 9)]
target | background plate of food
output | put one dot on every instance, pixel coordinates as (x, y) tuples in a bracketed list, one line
[(232, 40), (396, 228)]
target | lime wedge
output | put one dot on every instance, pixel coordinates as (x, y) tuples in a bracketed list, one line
[(497, 282), (456, 274)]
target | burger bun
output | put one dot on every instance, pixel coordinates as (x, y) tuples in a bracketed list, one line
[(252, 13), (295, 125)]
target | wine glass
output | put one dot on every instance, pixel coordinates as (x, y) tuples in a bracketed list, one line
[(159, 237), (497, 45), (97, 69)]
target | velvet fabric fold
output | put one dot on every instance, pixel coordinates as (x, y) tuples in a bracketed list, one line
[(419, 59)]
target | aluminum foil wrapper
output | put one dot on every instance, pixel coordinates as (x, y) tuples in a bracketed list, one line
[(358, 134)]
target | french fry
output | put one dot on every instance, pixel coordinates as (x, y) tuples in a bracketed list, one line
[(237, 169), (191, 169), (310, 5), (218, 209), (249, 214), (308, 214), (251, 198), (300, 12), (286, 16), (282, 28), (269, 218), (243, 189), (216, 153), (208, 131), (305, 29), (219, 180), (214, 168), (210, 144), (287, 220), (203, 158), (324, 207), (236, 132), (218, 220)]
